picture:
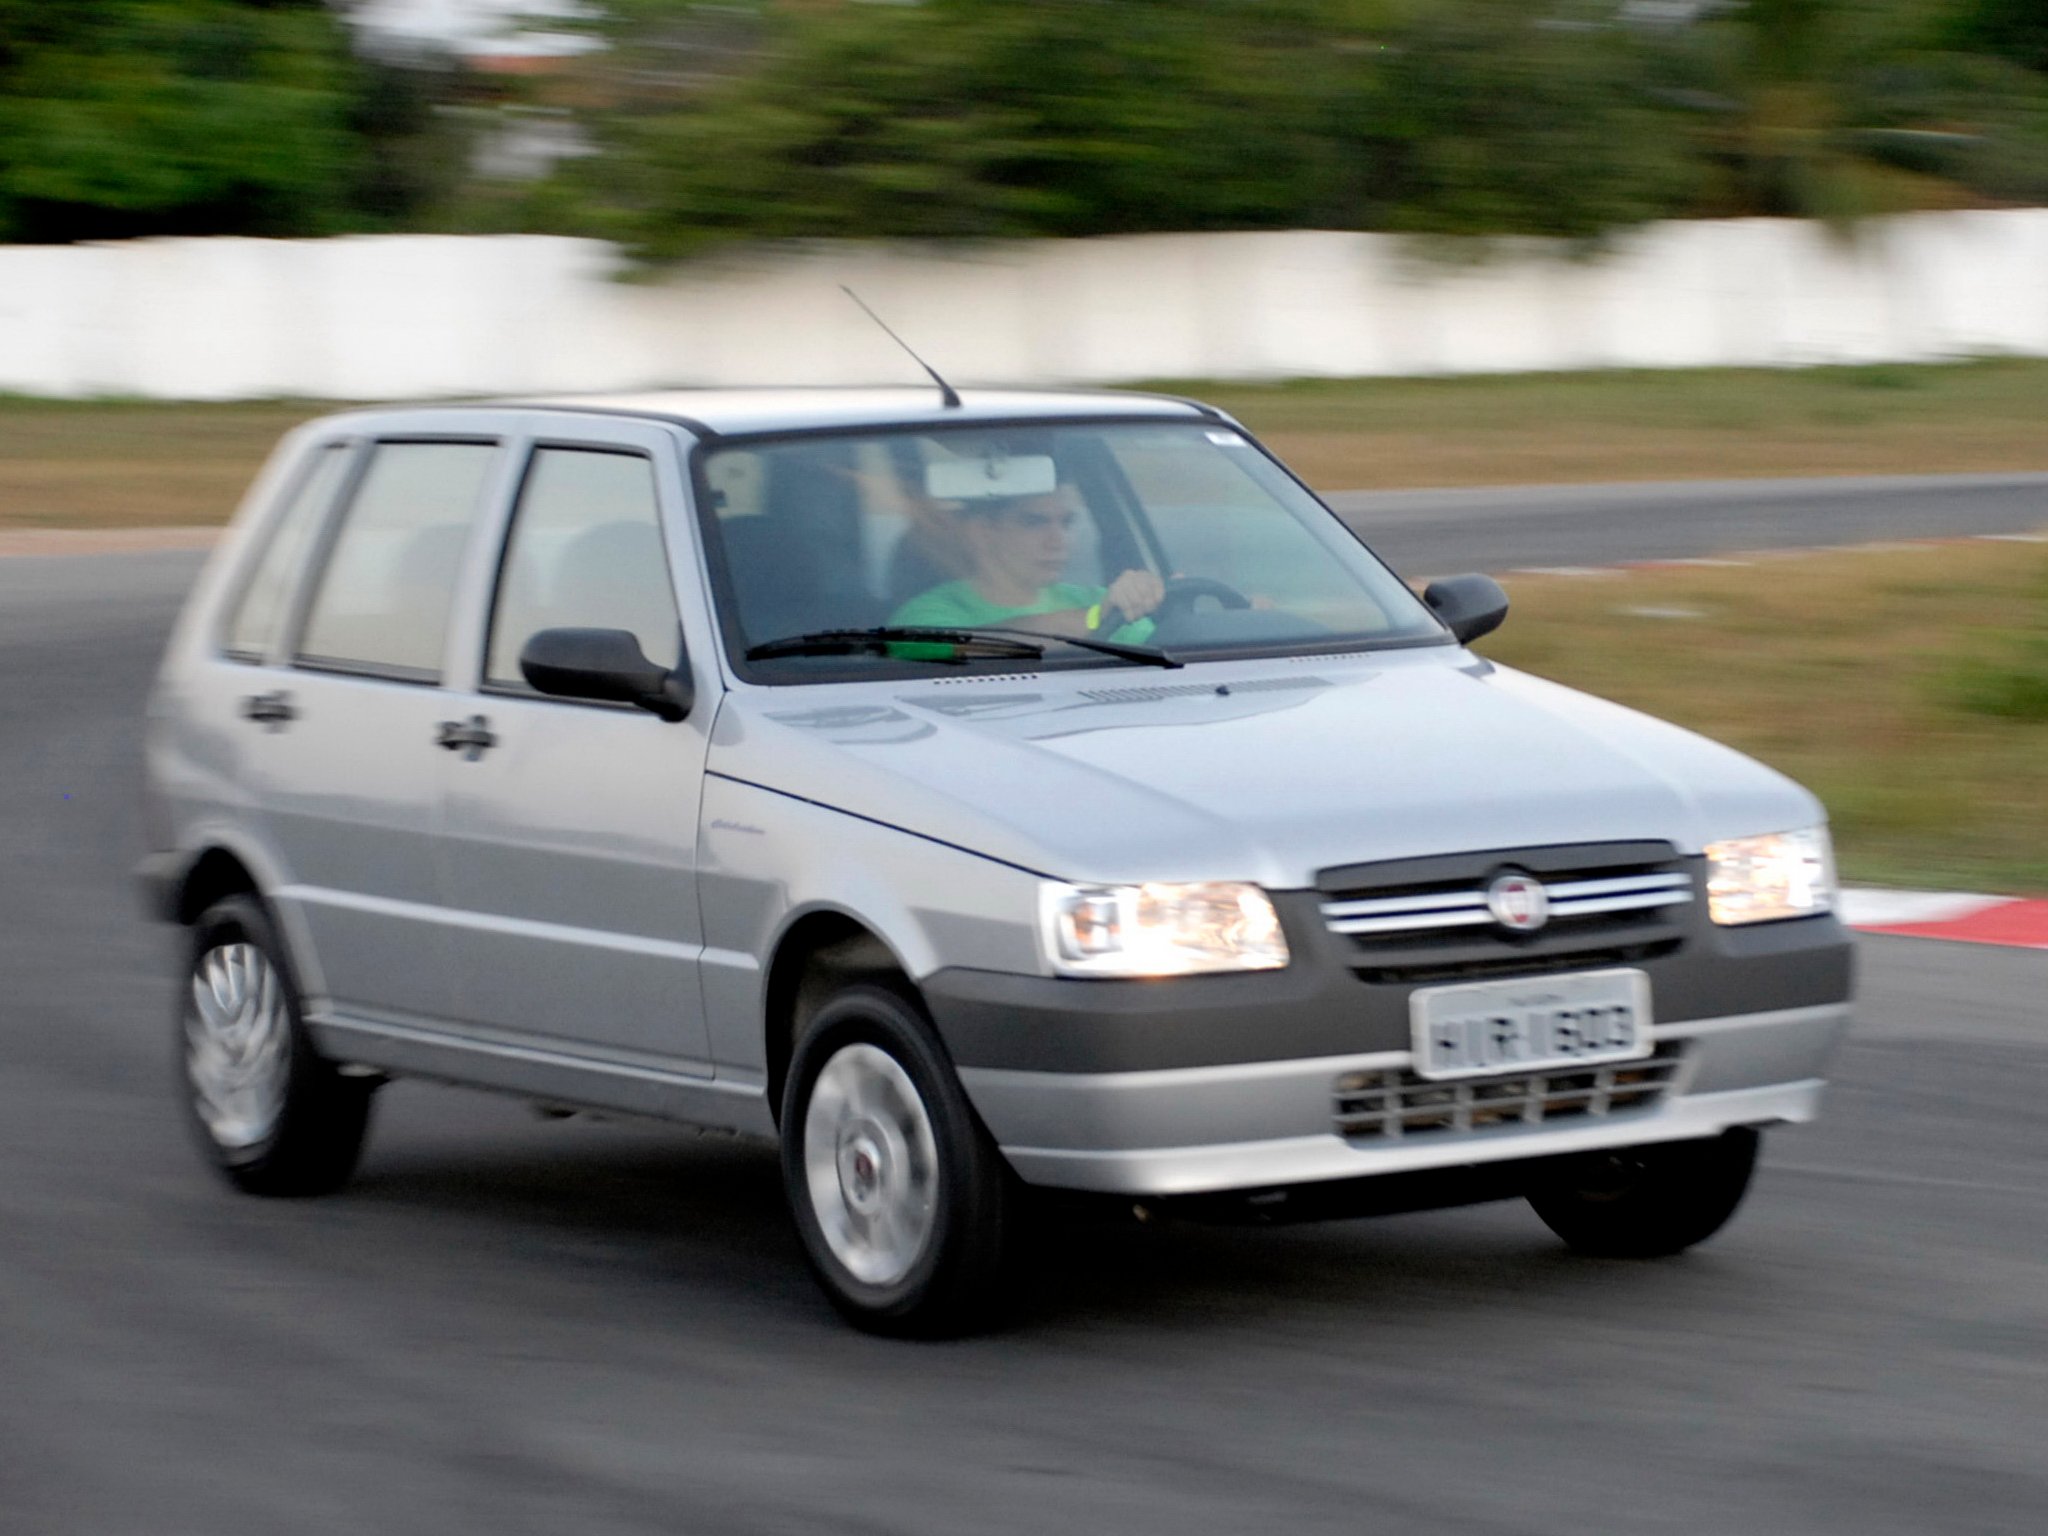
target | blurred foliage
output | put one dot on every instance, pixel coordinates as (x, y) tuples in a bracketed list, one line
[(1482, 121), (2016, 30), (1569, 118), (986, 118), (414, 129), (1841, 109), (136, 117), (790, 119)]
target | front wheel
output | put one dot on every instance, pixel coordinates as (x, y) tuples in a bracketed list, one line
[(274, 1116), (902, 1200), (1647, 1202)]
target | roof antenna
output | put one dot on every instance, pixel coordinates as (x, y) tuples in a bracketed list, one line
[(949, 395)]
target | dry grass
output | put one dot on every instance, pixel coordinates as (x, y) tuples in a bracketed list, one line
[(1855, 672), (1367, 434), (121, 464), (132, 465)]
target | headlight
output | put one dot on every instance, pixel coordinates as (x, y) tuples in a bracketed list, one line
[(1159, 930), (1761, 879)]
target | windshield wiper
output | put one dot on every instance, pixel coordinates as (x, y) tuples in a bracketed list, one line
[(1019, 644), (847, 642), (1144, 654)]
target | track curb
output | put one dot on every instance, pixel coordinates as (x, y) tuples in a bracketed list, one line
[(2014, 922)]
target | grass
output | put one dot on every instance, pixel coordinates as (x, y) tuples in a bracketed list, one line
[(1515, 429), (132, 464), (126, 464), (1902, 686)]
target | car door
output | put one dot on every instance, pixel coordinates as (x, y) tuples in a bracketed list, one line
[(571, 826), (342, 755)]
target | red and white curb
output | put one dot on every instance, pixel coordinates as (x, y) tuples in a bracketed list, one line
[(2009, 920)]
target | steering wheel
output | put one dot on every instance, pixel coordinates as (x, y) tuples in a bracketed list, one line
[(1183, 592)]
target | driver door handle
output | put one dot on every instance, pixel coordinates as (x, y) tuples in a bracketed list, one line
[(270, 709), (471, 737)]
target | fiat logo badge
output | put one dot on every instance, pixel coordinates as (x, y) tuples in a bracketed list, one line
[(1518, 903)]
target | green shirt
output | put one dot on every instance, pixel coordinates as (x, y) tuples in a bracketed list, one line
[(957, 605)]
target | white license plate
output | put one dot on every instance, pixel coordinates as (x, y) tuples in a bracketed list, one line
[(1539, 1023)]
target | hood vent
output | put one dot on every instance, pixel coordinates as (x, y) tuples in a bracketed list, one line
[(1146, 695)]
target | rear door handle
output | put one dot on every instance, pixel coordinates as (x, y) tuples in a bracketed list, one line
[(271, 709), (471, 737)]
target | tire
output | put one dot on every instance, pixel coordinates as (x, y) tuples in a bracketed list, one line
[(1648, 1202), (272, 1114), (904, 1205)]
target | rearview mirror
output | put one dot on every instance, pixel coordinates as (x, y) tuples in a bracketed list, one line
[(1468, 606), (605, 664), (993, 476)]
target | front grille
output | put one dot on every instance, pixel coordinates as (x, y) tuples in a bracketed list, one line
[(1433, 911), (1428, 919), (1395, 1104)]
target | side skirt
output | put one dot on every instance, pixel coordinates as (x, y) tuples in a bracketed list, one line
[(550, 1076)]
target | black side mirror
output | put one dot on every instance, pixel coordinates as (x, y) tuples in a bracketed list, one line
[(605, 664), (1469, 606)]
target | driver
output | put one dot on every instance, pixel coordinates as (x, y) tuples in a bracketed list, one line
[(1018, 547)]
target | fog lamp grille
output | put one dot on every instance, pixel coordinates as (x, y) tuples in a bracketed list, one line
[(1396, 1104)]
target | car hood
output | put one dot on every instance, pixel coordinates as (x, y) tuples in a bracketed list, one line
[(1264, 771)]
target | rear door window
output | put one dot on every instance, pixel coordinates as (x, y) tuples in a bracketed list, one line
[(383, 599)]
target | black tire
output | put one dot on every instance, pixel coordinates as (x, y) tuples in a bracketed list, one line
[(1647, 1202), (955, 1282), (310, 1143)]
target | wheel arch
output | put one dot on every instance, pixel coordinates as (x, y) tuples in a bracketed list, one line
[(820, 951), (218, 872)]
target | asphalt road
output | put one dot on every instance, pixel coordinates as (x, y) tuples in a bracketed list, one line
[(1434, 533), (510, 1326)]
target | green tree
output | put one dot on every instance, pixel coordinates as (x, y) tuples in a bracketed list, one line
[(2014, 30), (1557, 118), (132, 117), (1841, 109), (991, 118), (1495, 117)]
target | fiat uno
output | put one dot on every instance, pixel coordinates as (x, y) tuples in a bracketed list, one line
[(977, 797)]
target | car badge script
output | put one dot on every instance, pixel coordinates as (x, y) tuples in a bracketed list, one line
[(1518, 903)]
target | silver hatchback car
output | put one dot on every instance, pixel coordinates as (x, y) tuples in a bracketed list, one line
[(976, 796)]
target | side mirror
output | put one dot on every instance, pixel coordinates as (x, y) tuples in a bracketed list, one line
[(605, 664), (1469, 606)]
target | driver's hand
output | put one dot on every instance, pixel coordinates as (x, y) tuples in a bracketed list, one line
[(1135, 594)]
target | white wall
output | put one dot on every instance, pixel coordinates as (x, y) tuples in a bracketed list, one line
[(384, 317)]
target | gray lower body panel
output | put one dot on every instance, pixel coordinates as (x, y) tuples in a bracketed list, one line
[(1252, 1125), (663, 1090)]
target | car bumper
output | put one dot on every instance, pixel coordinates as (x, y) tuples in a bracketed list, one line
[(1233, 1083), (1270, 1124)]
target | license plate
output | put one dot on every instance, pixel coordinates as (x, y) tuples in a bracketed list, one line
[(1538, 1023)]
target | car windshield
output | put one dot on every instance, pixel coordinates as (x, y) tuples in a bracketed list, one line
[(1183, 539)]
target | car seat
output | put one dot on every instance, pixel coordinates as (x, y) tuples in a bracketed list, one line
[(797, 565)]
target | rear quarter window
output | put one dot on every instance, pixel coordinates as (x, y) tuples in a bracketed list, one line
[(254, 623)]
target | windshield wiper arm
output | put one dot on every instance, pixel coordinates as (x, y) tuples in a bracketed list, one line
[(847, 642), (993, 641), (1140, 653)]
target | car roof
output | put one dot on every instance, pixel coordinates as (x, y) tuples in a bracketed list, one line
[(731, 412)]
